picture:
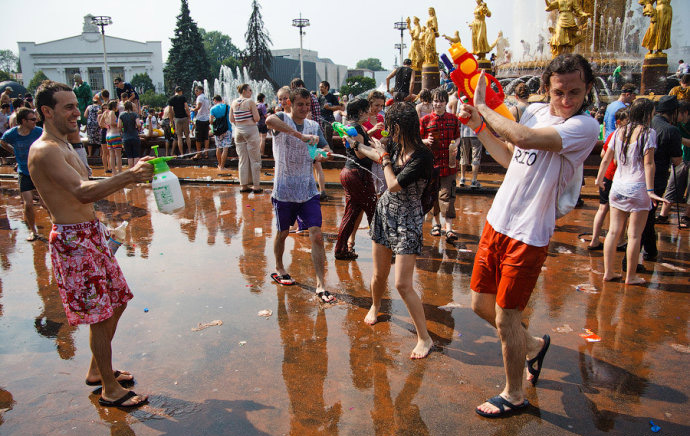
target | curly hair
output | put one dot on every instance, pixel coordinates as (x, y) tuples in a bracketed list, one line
[(402, 122), (376, 95), (570, 63)]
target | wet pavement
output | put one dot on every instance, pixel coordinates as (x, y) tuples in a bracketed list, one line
[(312, 369)]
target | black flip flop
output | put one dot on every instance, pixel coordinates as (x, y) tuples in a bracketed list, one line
[(326, 297), (118, 402), (281, 280), (435, 230), (116, 374), (501, 403), (538, 359)]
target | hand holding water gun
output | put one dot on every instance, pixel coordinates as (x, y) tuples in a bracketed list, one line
[(466, 76), (345, 132)]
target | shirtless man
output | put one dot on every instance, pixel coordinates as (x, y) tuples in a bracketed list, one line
[(78, 241)]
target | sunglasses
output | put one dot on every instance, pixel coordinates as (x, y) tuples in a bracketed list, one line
[(31, 119)]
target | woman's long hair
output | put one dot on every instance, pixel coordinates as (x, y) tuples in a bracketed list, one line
[(356, 108), (402, 122), (639, 114)]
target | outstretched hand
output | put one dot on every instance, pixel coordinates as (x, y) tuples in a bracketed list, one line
[(656, 199), (143, 171)]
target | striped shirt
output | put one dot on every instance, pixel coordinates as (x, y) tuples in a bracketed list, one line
[(242, 114)]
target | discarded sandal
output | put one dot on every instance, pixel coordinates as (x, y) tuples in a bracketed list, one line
[(116, 374), (451, 236), (538, 359), (325, 297), (119, 402), (284, 280), (501, 404)]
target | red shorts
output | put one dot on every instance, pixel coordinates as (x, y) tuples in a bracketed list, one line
[(90, 281), (506, 267)]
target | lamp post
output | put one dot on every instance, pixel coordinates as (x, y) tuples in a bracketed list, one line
[(401, 26), (102, 21), (300, 23)]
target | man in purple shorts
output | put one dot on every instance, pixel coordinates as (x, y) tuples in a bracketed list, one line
[(295, 195), (92, 287)]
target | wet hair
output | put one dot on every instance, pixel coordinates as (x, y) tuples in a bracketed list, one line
[(640, 115), (685, 80), (683, 106), (522, 91), (297, 83), (243, 87), (407, 61), (199, 87), (105, 93), (356, 108), (178, 89), (300, 92), (23, 113), (45, 95), (283, 90), (260, 98), (402, 121), (217, 98), (129, 106), (621, 114), (570, 63), (112, 105), (425, 96), (17, 103), (439, 94), (375, 95), (326, 84)]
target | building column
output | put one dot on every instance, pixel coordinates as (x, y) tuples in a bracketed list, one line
[(128, 74)]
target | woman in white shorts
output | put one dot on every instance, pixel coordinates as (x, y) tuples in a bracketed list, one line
[(632, 191)]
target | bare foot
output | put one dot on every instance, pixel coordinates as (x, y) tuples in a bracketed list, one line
[(422, 349), (491, 409), (121, 376), (132, 399), (372, 316), (612, 278), (635, 281)]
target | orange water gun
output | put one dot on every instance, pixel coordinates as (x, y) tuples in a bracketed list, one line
[(466, 76)]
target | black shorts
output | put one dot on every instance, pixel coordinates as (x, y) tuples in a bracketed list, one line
[(604, 193), (202, 130), (25, 183), (262, 128), (132, 148), (103, 132)]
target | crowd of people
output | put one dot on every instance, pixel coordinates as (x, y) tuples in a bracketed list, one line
[(403, 160)]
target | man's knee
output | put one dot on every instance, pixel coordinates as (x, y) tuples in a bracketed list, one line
[(316, 235), (508, 321)]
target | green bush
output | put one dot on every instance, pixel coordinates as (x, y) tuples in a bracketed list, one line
[(151, 99)]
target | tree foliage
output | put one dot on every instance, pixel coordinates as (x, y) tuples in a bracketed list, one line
[(187, 60), (357, 84), (151, 99), (372, 64), (36, 81), (258, 57), (8, 61), (4, 75), (220, 51), (142, 83)]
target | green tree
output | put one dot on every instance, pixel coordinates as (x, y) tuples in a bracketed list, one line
[(357, 84), (372, 64), (37, 79), (142, 83), (187, 60), (258, 57), (8, 61), (4, 75), (220, 51), (151, 99)]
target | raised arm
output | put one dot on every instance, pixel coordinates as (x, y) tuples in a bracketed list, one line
[(274, 122)]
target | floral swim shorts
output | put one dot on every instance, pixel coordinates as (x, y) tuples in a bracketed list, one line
[(90, 281), (113, 141)]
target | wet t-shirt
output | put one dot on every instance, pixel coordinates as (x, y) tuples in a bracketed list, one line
[(350, 152), (419, 166)]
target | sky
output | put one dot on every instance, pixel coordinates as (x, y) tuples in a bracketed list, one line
[(344, 31)]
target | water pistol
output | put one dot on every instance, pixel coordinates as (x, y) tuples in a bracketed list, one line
[(466, 75), (344, 131)]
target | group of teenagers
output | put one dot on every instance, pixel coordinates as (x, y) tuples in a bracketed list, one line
[(540, 152)]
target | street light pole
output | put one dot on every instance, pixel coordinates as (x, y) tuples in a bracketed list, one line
[(401, 26), (300, 23), (102, 21)]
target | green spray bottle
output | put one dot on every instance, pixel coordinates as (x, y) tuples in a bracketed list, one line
[(165, 184)]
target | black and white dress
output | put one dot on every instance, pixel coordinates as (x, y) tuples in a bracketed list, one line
[(399, 218)]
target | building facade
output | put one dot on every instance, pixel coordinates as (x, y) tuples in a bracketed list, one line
[(286, 67), (83, 54)]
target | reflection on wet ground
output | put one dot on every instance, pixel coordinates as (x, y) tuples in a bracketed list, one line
[(308, 369)]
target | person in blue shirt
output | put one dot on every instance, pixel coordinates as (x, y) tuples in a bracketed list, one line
[(627, 96), (220, 117), (18, 140)]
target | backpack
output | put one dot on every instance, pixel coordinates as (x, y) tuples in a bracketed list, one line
[(220, 125), (430, 192)]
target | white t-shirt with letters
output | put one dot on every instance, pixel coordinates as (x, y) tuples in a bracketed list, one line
[(525, 205)]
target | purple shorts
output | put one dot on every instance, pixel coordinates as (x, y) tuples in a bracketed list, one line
[(308, 213)]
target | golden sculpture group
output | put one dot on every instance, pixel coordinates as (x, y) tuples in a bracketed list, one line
[(658, 35)]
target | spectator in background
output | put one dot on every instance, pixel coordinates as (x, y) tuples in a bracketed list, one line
[(130, 124), (682, 91), (222, 129), (202, 108), (178, 114), (626, 97), (84, 96), (522, 96), (329, 104), (244, 115), (93, 130), (263, 130), (132, 94), (424, 107), (6, 95), (678, 182)]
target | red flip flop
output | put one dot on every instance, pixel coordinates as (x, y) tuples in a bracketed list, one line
[(284, 280)]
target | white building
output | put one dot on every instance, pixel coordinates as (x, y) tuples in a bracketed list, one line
[(326, 69), (83, 54)]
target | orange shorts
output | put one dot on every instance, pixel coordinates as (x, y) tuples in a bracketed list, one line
[(506, 267)]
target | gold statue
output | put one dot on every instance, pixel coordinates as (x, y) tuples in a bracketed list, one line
[(567, 34), (415, 54), (453, 39), (430, 35), (480, 45), (658, 35)]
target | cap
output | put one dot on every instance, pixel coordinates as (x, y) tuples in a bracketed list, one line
[(667, 103)]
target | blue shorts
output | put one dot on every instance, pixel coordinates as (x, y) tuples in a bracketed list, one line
[(309, 213)]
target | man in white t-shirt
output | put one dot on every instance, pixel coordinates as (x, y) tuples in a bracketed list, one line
[(203, 112), (541, 154)]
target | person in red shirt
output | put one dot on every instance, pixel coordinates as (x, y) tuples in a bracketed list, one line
[(595, 244), (440, 131)]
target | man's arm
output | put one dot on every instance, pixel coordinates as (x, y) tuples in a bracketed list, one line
[(186, 109), (197, 108), (7, 146), (389, 77), (412, 83), (50, 161), (274, 122), (501, 151), (171, 115)]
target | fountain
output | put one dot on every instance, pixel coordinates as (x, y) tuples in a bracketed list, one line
[(228, 80)]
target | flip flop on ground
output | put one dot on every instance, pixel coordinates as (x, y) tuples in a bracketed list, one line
[(326, 297), (538, 359), (284, 280), (121, 401), (501, 404), (451, 236), (120, 377)]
